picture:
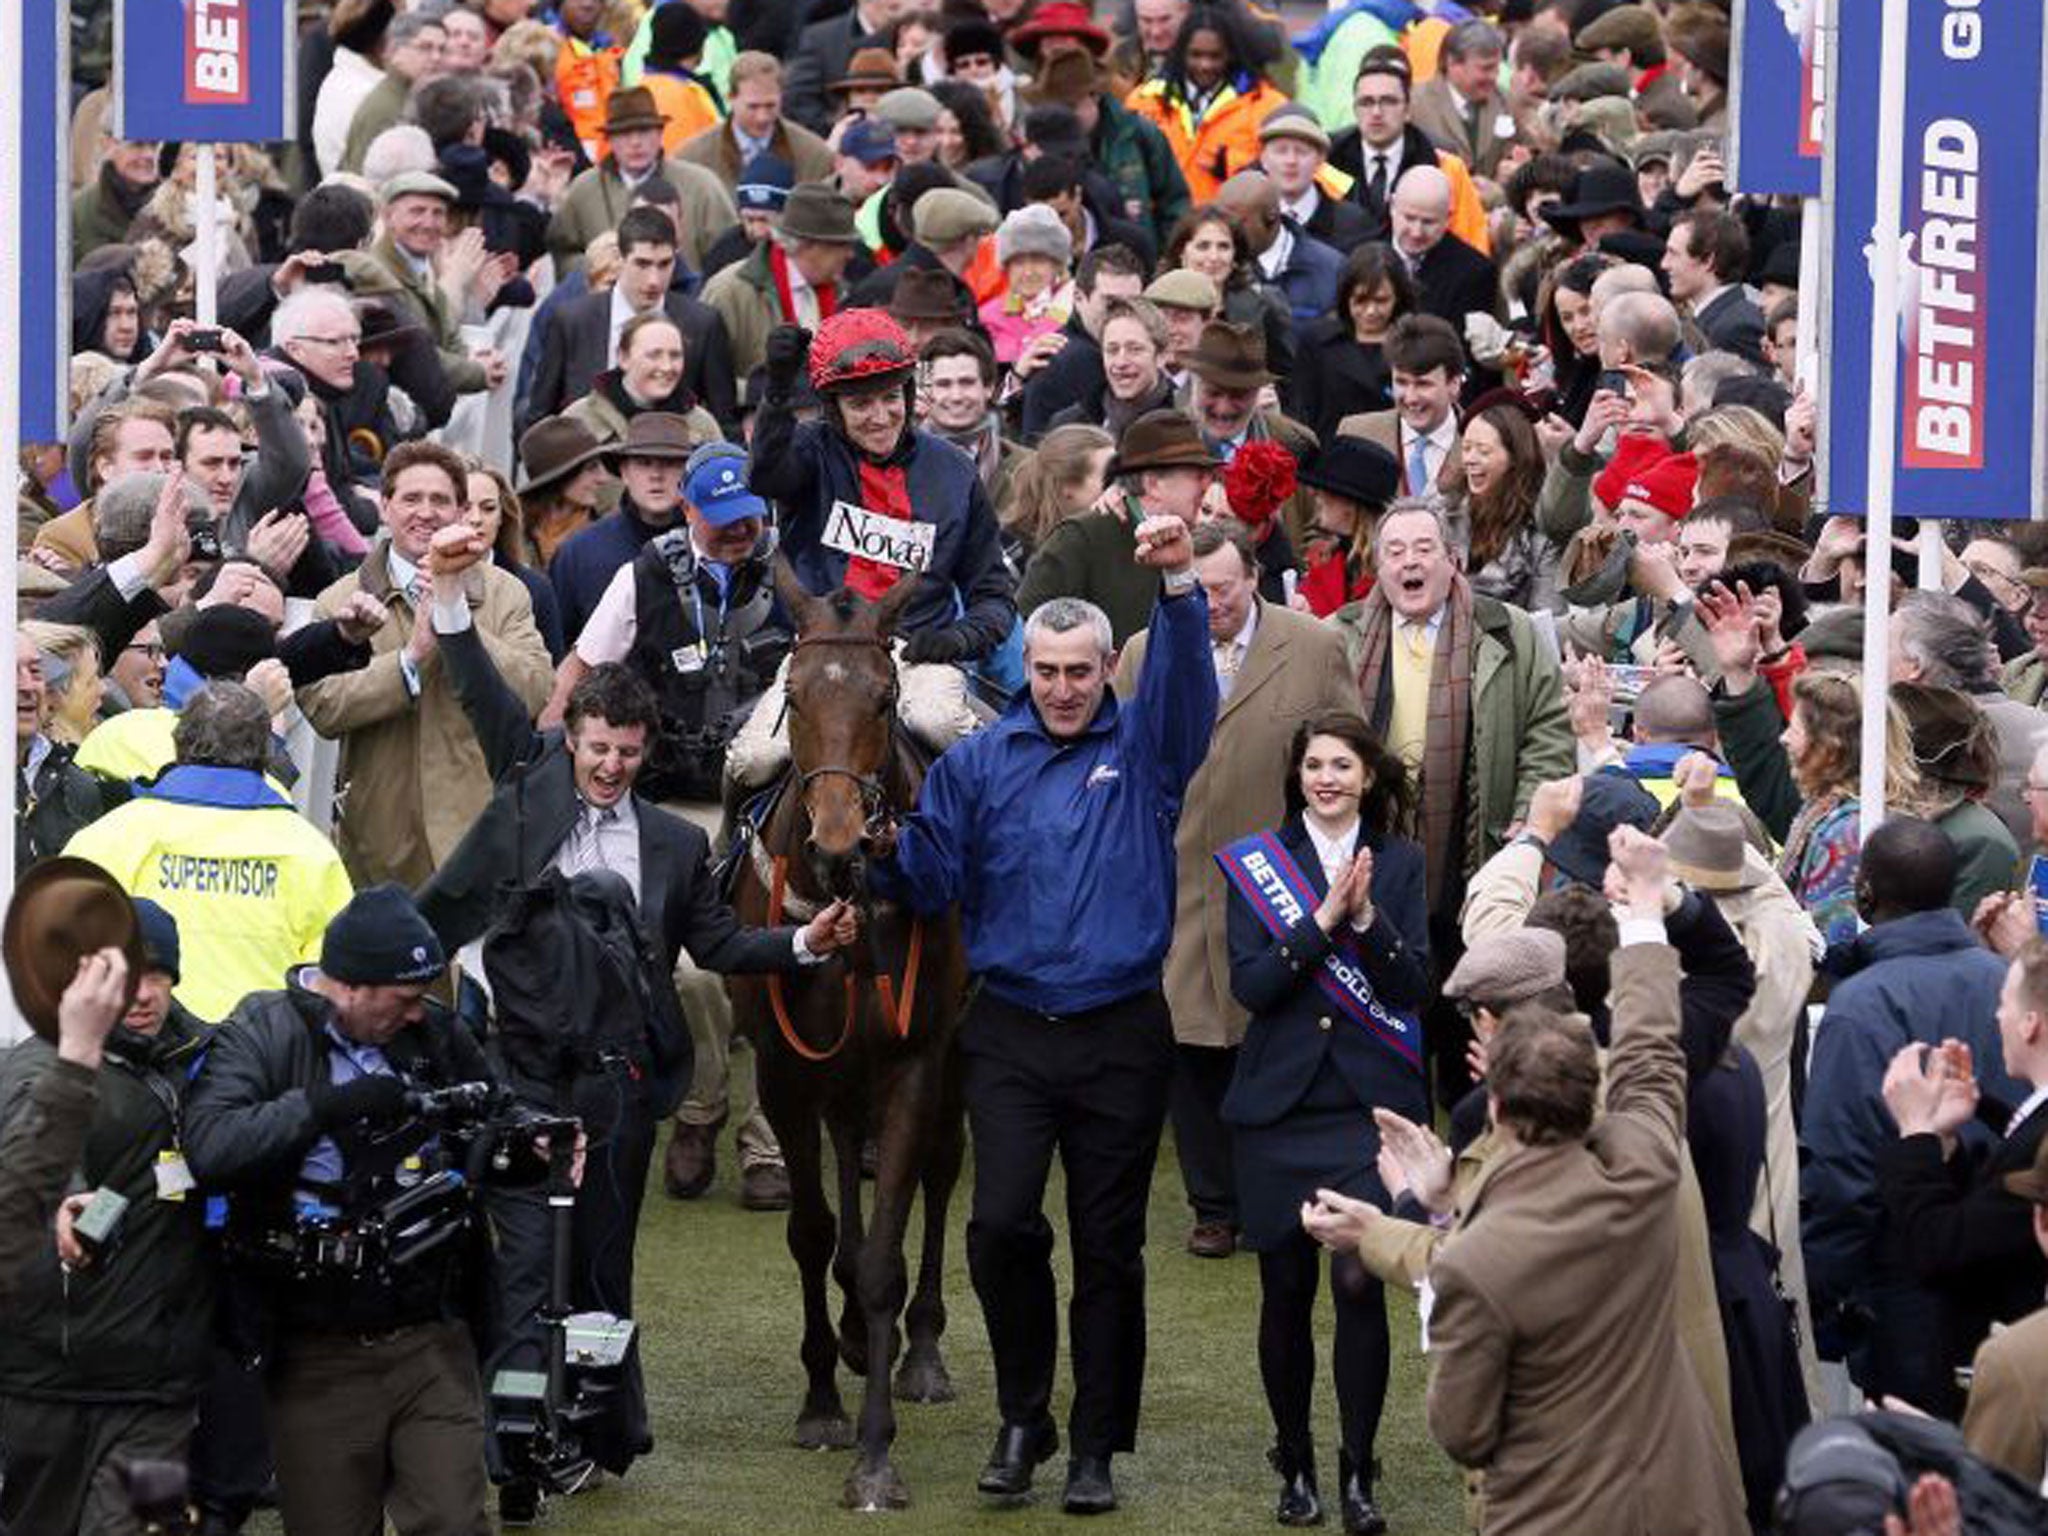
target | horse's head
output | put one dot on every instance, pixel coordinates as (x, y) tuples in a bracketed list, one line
[(841, 694)]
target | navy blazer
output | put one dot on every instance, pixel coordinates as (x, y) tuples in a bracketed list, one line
[(1294, 1027)]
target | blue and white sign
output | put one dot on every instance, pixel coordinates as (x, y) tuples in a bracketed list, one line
[(1971, 284), (1777, 89), (209, 71), (42, 332)]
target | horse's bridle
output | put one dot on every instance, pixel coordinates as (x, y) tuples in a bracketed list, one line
[(874, 795)]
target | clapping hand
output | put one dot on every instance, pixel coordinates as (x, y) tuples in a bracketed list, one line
[(2005, 921), (1350, 894), (1337, 1221), (1731, 624), (1413, 1158), (1931, 1092)]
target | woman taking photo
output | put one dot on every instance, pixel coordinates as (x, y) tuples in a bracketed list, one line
[(1329, 952), (1343, 371), (1506, 555), (1564, 313), (1211, 98)]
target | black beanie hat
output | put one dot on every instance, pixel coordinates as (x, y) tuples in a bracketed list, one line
[(380, 940), (159, 937), (226, 640), (677, 33)]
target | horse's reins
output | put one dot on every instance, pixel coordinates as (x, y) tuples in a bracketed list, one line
[(876, 797)]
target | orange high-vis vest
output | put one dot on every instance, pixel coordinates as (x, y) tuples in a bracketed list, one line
[(585, 78), (687, 106)]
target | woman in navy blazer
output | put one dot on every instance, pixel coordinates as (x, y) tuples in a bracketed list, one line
[(1329, 951)]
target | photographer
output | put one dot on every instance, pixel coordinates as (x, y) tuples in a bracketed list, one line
[(106, 1353), (305, 1114)]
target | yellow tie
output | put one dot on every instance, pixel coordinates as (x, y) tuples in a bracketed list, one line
[(1408, 726)]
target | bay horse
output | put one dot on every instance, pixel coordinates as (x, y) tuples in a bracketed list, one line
[(861, 1046)]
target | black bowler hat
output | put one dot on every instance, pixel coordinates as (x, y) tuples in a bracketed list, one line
[(1355, 469)]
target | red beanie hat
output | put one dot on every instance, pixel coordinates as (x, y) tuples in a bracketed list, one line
[(1645, 469)]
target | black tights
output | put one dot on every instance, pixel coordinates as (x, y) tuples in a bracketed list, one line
[(1288, 1277)]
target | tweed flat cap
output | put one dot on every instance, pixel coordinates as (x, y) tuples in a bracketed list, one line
[(946, 214), (1294, 121), (416, 183), (909, 106), (1507, 967), (1183, 289)]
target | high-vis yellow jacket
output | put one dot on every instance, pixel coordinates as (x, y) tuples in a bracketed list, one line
[(251, 882)]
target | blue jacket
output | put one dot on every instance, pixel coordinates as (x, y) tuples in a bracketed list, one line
[(588, 560), (1310, 277), (1920, 978), (807, 467), (1294, 1026), (1060, 854)]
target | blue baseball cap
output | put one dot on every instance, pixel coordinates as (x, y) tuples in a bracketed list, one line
[(715, 483), (870, 141), (764, 184)]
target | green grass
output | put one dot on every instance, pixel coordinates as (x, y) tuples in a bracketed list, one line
[(718, 1306), (719, 1313)]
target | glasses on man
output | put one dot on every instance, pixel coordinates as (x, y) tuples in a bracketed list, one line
[(353, 341)]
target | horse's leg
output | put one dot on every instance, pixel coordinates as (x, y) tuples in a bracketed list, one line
[(903, 1105), (822, 1423), (923, 1377), (846, 1123)]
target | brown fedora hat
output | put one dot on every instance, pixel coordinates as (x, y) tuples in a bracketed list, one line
[(63, 910), (633, 107), (552, 450), (870, 69), (815, 211), (926, 294), (1164, 439), (1710, 851), (654, 435), (1231, 356), (1066, 80)]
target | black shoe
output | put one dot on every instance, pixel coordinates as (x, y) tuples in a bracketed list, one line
[(1362, 1517), (1018, 1450), (1300, 1503), (1089, 1488), (519, 1503)]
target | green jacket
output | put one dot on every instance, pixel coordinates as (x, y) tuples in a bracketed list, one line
[(382, 271), (96, 220), (744, 296), (1135, 155), (2026, 677), (1090, 556), (1521, 735), (598, 199), (383, 108), (136, 1324)]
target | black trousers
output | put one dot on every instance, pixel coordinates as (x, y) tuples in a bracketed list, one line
[(1094, 1089), (230, 1460), (1201, 1076), (61, 1460), (619, 1122)]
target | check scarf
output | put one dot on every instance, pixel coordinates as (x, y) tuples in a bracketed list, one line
[(1450, 717)]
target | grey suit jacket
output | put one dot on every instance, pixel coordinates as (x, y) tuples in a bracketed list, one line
[(1384, 428), (1432, 110)]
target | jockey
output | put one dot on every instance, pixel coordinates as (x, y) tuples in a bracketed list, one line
[(867, 500)]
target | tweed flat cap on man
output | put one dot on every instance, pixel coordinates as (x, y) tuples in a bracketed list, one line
[(1507, 967)]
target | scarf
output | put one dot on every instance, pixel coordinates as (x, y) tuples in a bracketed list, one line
[(1450, 717), (612, 385), (778, 268), (1800, 833), (885, 491), (1118, 414), (983, 443)]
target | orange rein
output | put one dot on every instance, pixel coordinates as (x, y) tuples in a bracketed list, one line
[(885, 985)]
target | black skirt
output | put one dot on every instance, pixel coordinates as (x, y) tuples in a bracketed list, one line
[(1327, 1141)]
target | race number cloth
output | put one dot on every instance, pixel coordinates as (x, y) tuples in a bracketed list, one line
[(1268, 877), (882, 538)]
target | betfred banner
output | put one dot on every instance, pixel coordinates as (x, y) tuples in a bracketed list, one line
[(209, 71), (1777, 90), (1971, 285)]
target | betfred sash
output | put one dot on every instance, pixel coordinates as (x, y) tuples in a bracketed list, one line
[(1266, 875)]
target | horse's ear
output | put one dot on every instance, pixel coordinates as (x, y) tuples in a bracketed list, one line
[(796, 597), (888, 608)]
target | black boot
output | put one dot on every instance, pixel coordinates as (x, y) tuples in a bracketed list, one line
[(1300, 1503), (1362, 1517)]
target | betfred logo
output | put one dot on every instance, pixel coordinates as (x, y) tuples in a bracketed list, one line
[(1944, 324), (216, 45)]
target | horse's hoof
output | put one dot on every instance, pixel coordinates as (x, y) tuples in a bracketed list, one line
[(924, 1380), (871, 1490), (824, 1432)]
